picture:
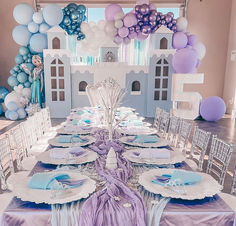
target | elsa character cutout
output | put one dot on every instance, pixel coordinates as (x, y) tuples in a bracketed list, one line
[(37, 76)]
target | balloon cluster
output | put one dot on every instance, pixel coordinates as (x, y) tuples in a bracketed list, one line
[(34, 25), (16, 101), (74, 15), (95, 37), (189, 50), (18, 76)]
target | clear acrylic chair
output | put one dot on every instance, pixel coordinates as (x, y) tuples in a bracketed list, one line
[(6, 161), (164, 123), (219, 158), (185, 129), (157, 118), (199, 146), (173, 129)]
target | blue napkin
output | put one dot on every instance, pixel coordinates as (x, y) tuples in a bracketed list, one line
[(46, 180), (186, 178), (80, 112), (86, 121), (71, 139), (146, 139)]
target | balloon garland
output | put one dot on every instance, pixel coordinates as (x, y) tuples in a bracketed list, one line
[(73, 16)]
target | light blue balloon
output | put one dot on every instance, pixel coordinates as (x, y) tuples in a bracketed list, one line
[(7, 114), (23, 13), (30, 66), (3, 93), (53, 14), (38, 42), (27, 84), (12, 106), (43, 28), (33, 27), (12, 71), (19, 59), (21, 35), (38, 17), (22, 77), (13, 115), (21, 113), (12, 81), (23, 50)]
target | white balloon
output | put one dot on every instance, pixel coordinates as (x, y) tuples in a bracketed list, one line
[(13, 96), (201, 50), (26, 92), (84, 27), (89, 35), (118, 24), (92, 24), (119, 15), (101, 24), (181, 24), (38, 17)]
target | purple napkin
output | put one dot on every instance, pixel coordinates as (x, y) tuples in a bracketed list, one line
[(78, 151)]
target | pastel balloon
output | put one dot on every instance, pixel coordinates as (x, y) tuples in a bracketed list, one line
[(185, 61), (132, 35), (192, 40), (23, 13), (12, 106), (119, 15), (43, 28), (118, 24), (180, 40), (126, 40), (141, 36), (118, 40), (101, 24), (181, 24), (13, 115), (21, 35), (201, 50), (19, 59), (212, 108), (144, 9), (52, 14), (21, 113), (33, 27), (84, 27), (123, 32), (111, 10), (38, 42), (130, 20), (23, 50), (22, 77), (38, 17), (12, 81)]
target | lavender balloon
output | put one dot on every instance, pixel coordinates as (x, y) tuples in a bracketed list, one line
[(174, 21), (132, 35), (152, 23), (111, 10), (137, 8), (141, 36), (131, 29), (146, 19), (163, 22), (158, 18), (168, 19), (169, 25), (118, 40), (146, 29), (152, 17), (180, 40), (170, 14), (185, 61), (192, 40), (139, 16), (137, 28), (212, 108), (123, 32), (144, 9), (130, 20), (126, 40), (154, 12)]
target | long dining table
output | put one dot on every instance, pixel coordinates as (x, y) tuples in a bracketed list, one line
[(118, 198)]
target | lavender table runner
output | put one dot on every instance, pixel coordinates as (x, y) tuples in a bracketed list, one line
[(117, 204)]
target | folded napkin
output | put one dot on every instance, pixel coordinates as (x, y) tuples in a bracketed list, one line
[(71, 139), (67, 153), (145, 139), (151, 153), (182, 177)]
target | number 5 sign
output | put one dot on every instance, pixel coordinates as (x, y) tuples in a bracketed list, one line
[(179, 97)]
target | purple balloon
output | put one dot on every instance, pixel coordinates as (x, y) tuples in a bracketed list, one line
[(130, 20), (158, 18), (139, 16), (170, 14), (212, 108), (126, 40), (163, 22), (152, 17), (118, 40), (144, 9), (154, 29), (163, 17), (146, 29), (174, 28), (137, 8), (192, 40), (111, 10), (154, 12), (132, 35), (141, 36), (140, 23), (137, 28), (198, 63), (152, 6), (146, 19), (179, 40), (185, 60), (174, 21), (169, 25), (131, 29), (123, 32), (168, 19), (153, 23)]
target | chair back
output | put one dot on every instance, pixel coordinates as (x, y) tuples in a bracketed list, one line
[(157, 118), (164, 123), (173, 129)]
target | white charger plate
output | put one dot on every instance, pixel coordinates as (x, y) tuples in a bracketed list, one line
[(77, 131), (161, 143), (145, 131), (45, 158), (175, 157), (22, 191), (54, 142), (208, 187)]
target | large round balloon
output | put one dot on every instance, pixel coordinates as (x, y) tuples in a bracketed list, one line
[(180, 40), (185, 61), (21, 35), (212, 108), (111, 10), (130, 20), (13, 115), (201, 50), (33, 27), (23, 50), (38, 42), (181, 24), (123, 32), (3, 92), (43, 28), (53, 14), (12, 106), (23, 13), (13, 96), (38, 17), (22, 77)]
